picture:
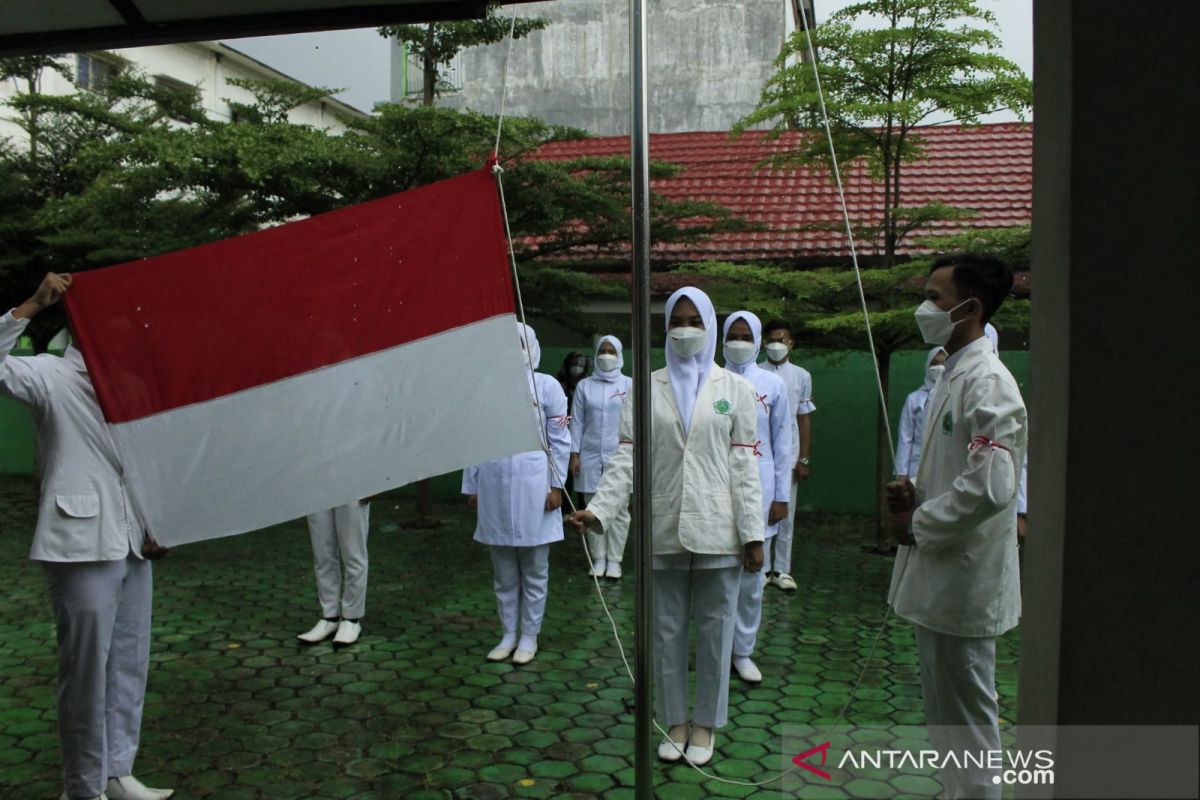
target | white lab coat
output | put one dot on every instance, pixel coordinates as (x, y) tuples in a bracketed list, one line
[(773, 444), (595, 426), (512, 491), (706, 492), (962, 577), (85, 512)]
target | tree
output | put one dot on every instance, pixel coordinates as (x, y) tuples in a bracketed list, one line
[(913, 60), (824, 306), (30, 69), (437, 43)]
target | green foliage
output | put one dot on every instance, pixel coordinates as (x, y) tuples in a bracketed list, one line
[(273, 98), (915, 59)]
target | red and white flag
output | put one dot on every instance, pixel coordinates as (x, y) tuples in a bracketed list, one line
[(265, 377)]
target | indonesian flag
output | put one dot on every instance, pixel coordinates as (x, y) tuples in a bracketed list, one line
[(268, 376)]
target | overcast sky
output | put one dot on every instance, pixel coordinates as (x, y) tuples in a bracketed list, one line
[(358, 60)]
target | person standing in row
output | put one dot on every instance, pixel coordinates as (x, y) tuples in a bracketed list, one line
[(339, 544), (956, 576), (595, 423), (773, 449), (519, 501), (912, 418), (708, 521), (778, 337), (94, 551)]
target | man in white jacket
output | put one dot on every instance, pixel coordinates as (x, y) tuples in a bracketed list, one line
[(93, 549), (956, 576)]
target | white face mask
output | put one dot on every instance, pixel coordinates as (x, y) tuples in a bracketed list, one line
[(575, 370), (935, 372), (740, 352), (686, 342), (777, 351), (606, 362), (934, 323)]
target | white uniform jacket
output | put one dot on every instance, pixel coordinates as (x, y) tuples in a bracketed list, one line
[(706, 493), (512, 491), (85, 512), (962, 577), (799, 386), (773, 444), (595, 426)]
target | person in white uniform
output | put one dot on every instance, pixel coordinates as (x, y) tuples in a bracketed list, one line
[(93, 549), (519, 501), (595, 423), (912, 417), (707, 527), (956, 576), (339, 544), (773, 449), (778, 337)]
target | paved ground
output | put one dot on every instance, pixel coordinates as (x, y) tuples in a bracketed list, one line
[(236, 709)]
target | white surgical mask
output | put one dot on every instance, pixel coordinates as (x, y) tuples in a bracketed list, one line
[(606, 362), (687, 342), (935, 372), (739, 352), (934, 323), (575, 370), (777, 351)]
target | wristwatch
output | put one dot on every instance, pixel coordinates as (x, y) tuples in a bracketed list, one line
[(803, 461)]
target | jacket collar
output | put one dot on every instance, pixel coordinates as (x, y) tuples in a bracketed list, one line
[(970, 355), (74, 359)]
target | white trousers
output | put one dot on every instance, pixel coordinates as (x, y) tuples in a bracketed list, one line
[(609, 545), (710, 597), (521, 580), (958, 685), (339, 544), (749, 611), (102, 613), (778, 550)]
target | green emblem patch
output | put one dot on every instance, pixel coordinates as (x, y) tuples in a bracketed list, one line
[(948, 423), (722, 406)]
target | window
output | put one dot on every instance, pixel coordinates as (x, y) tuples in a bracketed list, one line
[(94, 71), (450, 76)]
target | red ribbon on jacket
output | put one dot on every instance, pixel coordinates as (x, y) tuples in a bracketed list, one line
[(983, 441), (753, 447)]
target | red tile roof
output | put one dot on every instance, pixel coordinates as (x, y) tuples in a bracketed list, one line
[(985, 168)]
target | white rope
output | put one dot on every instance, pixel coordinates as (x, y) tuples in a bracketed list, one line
[(512, 27)]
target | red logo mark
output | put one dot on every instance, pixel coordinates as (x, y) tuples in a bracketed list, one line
[(800, 761)]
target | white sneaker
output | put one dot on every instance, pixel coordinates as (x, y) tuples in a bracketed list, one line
[(130, 788), (598, 567), (347, 633), (500, 653), (747, 670), (613, 571), (786, 582), (524, 656), (319, 632), (699, 756), (671, 750)]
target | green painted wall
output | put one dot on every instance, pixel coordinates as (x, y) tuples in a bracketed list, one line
[(843, 470)]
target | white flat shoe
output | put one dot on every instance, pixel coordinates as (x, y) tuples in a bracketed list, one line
[(500, 653), (319, 632), (699, 756), (613, 571), (670, 750), (524, 656), (786, 582), (747, 670), (598, 568), (347, 633), (130, 788)]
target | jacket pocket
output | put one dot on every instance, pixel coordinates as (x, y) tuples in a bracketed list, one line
[(79, 506)]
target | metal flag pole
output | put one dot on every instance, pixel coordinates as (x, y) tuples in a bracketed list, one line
[(639, 142)]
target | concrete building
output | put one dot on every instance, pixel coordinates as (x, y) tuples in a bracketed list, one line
[(205, 65), (576, 71)]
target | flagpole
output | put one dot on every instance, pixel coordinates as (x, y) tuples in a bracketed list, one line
[(639, 143)]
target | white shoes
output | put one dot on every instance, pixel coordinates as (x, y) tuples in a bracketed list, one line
[(671, 750), (747, 670), (613, 570), (524, 656), (319, 632), (130, 788), (500, 654), (598, 568), (699, 756), (347, 633), (786, 582)]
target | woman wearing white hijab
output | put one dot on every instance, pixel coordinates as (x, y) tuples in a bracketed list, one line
[(519, 500), (912, 418), (773, 449), (595, 423), (706, 529)]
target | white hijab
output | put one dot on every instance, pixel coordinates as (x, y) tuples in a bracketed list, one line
[(609, 375), (687, 375), (928, 382), (755, 330), (993, 335), (529, 342)]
